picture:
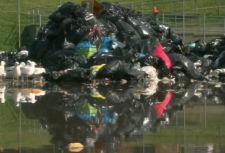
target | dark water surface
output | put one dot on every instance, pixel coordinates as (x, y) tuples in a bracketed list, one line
[(113, 118)]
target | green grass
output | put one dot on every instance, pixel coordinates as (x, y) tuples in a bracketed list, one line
[(9, 14), (16, 130)]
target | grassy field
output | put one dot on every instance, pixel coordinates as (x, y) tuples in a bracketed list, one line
[(9, 14)]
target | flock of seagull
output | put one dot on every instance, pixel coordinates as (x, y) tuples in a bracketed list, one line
[(20, 70)]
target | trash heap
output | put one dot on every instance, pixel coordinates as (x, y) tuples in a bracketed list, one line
[(116, 43)]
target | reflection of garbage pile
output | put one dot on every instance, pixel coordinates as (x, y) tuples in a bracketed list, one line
[(103, 117)]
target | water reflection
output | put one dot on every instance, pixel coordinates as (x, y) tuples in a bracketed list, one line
[(134, 117), (25, 95), (2, 94)]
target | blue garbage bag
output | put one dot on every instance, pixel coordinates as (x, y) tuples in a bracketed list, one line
[(109, 43), (86, 49)]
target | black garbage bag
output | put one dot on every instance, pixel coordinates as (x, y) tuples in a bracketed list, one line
[(70, 75), (142, 28), (205, 64), (32, 50), (52, 34), (215, 46), (41, 32), (117, 97), (42, 48), (61, 60), (220, 61), (79, 34), (122, 54), (185, 65), (110, 13), (117, 70), (127, 123), (38, 49), (83, 17), (64, 11), (175, 38), (126, 33), (170, 46), (192, 88), (106, 27), (145, 46), (86, 33), (66, 26), (99, 58), (51, 31), (143, 31), (59, 42), (197, 47), (163, 33)]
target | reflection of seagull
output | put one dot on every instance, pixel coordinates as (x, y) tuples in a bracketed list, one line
[(28, 70), (16, 96), (39, 92), (27, 97), (2, 69), (2, 94)]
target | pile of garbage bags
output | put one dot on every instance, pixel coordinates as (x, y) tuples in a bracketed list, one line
[(118, 42)]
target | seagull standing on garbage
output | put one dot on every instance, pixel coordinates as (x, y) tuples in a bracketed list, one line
[(28, 70)]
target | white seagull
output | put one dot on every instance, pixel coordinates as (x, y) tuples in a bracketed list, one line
[(16, 72), (28, 70)]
